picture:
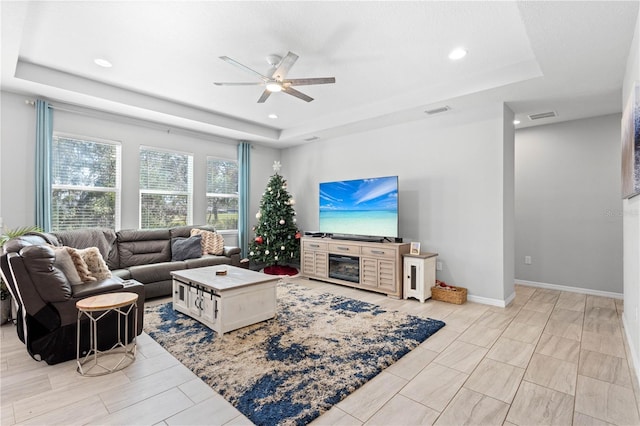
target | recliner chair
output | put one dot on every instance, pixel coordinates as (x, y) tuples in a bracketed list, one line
[(46, 302)]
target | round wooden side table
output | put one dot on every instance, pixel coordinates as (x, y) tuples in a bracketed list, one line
[(95, 308)]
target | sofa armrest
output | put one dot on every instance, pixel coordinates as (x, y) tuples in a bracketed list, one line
[(229, 251), (95, 287)]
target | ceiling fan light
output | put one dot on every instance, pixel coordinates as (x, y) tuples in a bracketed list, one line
[(102, 63), (458, 53), (274, 87)]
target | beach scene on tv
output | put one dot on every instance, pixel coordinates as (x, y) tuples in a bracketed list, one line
[(360, 207)]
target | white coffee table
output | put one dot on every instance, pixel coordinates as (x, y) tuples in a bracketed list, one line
[(238, 298)]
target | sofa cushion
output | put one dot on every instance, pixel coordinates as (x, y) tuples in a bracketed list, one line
[(95, 263), (186, 248), (155, 272), (50, 283), (135, 253), (143, 247), (212, 243)]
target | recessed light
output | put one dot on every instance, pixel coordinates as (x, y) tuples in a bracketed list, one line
[(103, 63), (457, 53), (515, 122), (273, 116)]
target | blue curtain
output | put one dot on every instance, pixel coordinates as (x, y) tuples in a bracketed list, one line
[(44, 135), (244, 150)]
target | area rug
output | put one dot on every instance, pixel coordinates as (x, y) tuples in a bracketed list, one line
[(291, 369)]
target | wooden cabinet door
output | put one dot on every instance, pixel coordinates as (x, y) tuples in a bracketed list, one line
[(378, 273), (320, 264), (368, 272), (210, 305), (308, 263), (194, 301), (314, 263), (387, 275), (180, 295)]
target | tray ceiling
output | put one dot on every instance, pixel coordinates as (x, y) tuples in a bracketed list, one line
[(389, 59)]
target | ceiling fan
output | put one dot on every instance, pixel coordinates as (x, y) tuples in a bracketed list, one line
[(276, 82)]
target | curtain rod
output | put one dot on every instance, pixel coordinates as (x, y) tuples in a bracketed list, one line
[(67, 108)]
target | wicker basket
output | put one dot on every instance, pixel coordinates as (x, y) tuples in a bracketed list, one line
[(457, 296)]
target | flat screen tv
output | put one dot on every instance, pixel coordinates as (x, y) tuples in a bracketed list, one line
[(360, 207)]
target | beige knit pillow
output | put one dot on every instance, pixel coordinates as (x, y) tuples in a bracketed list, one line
[(212, 243), (81, 266), (95, 263)]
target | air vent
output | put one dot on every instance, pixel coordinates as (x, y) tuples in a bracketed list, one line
[(437, 110), (541, 115), (311, 139)]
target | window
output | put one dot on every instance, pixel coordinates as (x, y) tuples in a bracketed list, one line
[(166, 188), (85, 188), (222, 193)]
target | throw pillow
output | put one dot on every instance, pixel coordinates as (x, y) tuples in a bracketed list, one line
[(212, 243), (186, 248), (80, 264), (64, 262), (96, 264)]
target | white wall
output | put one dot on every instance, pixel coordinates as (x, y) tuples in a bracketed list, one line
[(508, 205), (451, 189), (568, 205), (17, 156), (631, 225), (17, 145)]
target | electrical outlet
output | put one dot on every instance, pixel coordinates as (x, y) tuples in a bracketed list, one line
[(527, 260), (438, 266)]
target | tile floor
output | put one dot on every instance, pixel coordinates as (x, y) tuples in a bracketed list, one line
[(551, 357)]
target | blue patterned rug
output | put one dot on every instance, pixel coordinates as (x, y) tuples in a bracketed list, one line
[(291, 369)]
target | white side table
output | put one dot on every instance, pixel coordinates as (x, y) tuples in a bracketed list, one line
[(95, 308), (419, 275)]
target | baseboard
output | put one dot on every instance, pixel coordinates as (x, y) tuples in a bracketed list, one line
[(493, 302), (571, 289), (505, 303)]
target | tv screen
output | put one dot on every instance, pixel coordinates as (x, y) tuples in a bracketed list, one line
[(366, 207)]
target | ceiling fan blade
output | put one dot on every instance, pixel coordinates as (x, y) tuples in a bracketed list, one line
[(284, 66), (297, 94), (264, 96), (243, 67), (309, 81), (257, 83)]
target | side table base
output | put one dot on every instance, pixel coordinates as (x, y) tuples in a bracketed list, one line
[(120, 355), (105, 362)]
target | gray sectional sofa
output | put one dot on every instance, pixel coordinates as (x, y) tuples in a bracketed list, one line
[(143, 255)]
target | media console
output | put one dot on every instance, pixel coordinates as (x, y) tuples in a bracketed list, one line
[(366, 265)]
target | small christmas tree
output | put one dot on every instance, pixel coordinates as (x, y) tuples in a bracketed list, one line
[(277, 238)]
